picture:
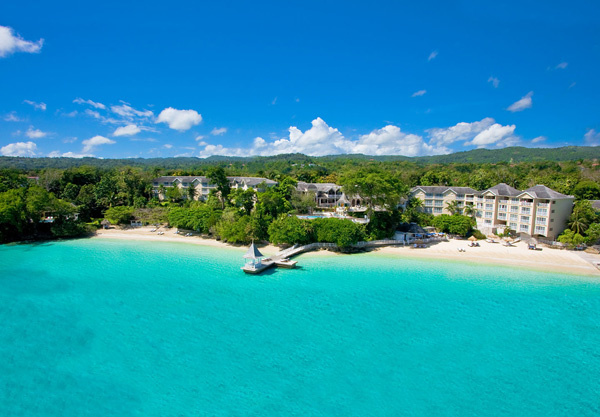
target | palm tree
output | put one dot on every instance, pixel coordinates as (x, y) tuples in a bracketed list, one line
[(470, 210), (192, 192), (453, 207)]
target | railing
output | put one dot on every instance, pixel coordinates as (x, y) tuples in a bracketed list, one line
[(543, 204), (526, 203)]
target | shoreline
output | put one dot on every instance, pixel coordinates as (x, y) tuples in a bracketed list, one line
[(494, 254)]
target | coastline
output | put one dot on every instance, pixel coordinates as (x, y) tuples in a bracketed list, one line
[(546, 260)]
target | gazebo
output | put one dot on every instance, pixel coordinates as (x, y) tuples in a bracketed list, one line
[(253, 256), (105, 224)]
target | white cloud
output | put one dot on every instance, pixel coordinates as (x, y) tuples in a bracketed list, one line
[(539, 139), (573, 84), (58, 154), (419, 93), (562, 65), (9, 43), (390, 140), (497, 135), (128, 130), (179, 119), (143, 140), (322, 139), (460, 132), (12, 117), (91, 143), (19, 149), (592, 138), (524, 103), (35, 133), (79, 100), (167, 146), (37, 106), (129, 112), (495, 81), (97, 115), (432, 55), (274, 101), (218, 132), (200, 137)]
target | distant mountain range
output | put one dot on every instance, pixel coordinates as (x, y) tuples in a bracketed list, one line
[(512, 154)]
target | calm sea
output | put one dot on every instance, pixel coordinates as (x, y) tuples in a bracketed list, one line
[(114, 328)]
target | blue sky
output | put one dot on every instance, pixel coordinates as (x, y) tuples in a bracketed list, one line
[(259, 78)]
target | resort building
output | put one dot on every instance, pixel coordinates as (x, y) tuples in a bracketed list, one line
[(326, 194), (203, 186), (536, 211)]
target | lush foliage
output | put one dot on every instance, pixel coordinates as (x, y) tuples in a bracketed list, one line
[(455, 224)]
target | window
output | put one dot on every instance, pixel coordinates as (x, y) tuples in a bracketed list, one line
[(489, 206), (540, 230), (428, 209), (542, 211), (488, 214), (437, 209), (166, 184), (514, 209), (540, 220), (551, 220), (460, 196), (524, 228), (513, 226), (525, 210), (428, 202), (514, 217), (439, 195), (524, 219), (156, 184), (185, 184), (439, 203), (489, 222), (502, 207)]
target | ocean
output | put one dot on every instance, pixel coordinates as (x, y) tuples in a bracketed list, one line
[(102, 327)]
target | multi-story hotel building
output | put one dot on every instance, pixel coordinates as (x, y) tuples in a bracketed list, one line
[(537, 211), (203, 185)]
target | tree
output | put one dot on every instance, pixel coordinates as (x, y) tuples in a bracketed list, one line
[(571, 238), (217, 176), (344, 232), (453, 207), (191, 192), (174, 194), (455, 224), (119, 214), (593, 233), (587, 190), (291, 230), (243, 199), (470, 210), (582, 216), (375, 187)]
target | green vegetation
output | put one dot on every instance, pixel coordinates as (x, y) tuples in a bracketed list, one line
[(121, 190)]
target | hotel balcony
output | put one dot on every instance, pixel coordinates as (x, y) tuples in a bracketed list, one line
[(543, 204), (526, 203)]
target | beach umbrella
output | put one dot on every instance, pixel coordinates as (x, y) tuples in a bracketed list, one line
[(472, 238)]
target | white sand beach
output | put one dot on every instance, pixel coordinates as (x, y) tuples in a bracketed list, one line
[(552, 260)]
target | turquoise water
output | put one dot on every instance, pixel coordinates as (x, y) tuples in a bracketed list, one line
[(112, 328)]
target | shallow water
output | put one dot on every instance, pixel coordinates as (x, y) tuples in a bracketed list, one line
[(116, 328)]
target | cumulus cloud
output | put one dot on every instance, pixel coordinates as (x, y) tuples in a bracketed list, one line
[(218, 131), (419, 93), (11, 42), (58, 154), (495, 81), (592, 138), (460, 132), (179, 119), (524, 103), (432, 55), (562, 65), (481, 134), (35, 133), (497, 135), (90, 144), (79, 100), (19, 149), (37, 106), (128, 130), (12, 117), (167, 146), (321, 139)]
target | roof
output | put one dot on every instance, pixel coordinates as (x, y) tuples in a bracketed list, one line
[(438, 189), (250, 181), (317, 186), (541, 191), (503, 190), (253, 252), (595, 204)]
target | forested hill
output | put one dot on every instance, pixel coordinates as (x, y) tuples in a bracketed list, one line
[(513, 154)]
